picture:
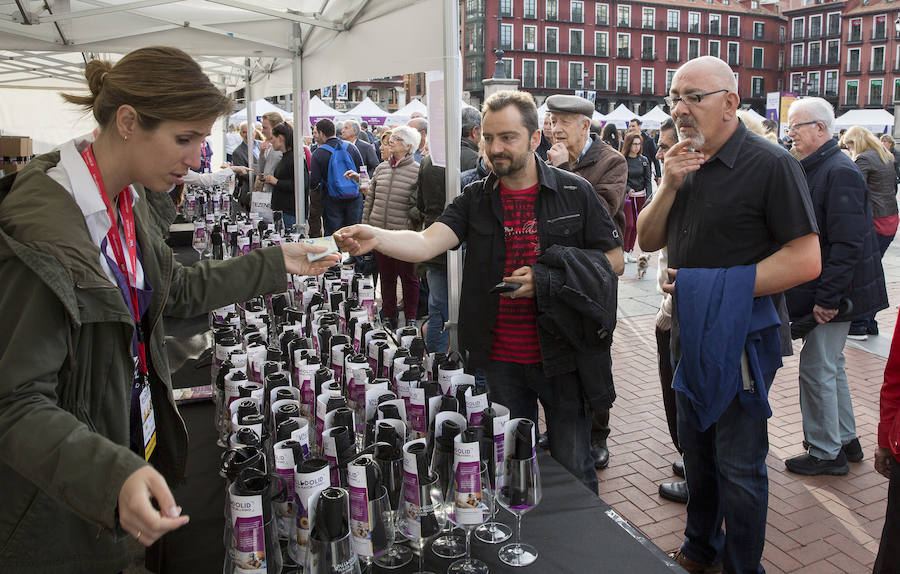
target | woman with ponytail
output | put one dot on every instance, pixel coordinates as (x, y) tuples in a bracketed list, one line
[(90, 437)]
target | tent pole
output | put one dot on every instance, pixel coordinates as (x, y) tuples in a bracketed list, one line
[(299, 155), (248, 98), (452, 133)]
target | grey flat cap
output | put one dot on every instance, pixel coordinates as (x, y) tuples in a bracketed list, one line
[(565, 104)]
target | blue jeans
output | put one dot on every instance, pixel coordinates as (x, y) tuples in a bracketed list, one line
[(825, 404), (519, 387), (289, 221), (725, 466), (338, 213), (435, 338)]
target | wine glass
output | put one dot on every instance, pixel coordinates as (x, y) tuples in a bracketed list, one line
[(199, 240), (372, 532), (396, 556), (492, 531), (422, 515), (520, 492), (469, 508)]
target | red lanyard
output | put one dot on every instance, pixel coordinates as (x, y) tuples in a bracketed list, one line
[(116, 243)]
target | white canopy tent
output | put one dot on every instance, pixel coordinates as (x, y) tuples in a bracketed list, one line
[(367, 111), (319, 109), (621, 116), (405, 113), (654, 118), (260, 107), (876, 121), (754, 114), (542, 111)]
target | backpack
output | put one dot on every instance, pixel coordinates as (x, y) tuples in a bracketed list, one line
[(340, 187)]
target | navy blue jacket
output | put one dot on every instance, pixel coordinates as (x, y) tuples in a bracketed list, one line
[(851, 261)]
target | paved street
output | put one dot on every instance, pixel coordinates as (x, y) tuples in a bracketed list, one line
[(815, 524)]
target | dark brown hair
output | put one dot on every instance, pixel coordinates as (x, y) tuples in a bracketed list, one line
[(160, 83), (522, 100), (626, 145)]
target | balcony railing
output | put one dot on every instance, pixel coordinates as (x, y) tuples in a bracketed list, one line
[(830, 60), (876, 69), (851, 102), (879, 35), (623, 23), (814, 60), (831, 92), (601, 52), (693, 28), (673, 58), (647, 25), (623, 89), (714, 29), (798, 36), (672, 27), (624, 53), (855, 38), (647, 90), (648, 55), (733, 32), (853, 70)]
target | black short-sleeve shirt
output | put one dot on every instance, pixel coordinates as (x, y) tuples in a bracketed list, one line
[(568, 212), (741, 206)]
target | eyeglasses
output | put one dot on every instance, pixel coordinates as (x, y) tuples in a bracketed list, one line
[(793, 127), (689, 99), (396, 140)]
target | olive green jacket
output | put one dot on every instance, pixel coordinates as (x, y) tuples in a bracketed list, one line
[(66, 371)]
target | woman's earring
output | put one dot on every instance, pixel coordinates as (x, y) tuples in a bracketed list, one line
[(125, 138)]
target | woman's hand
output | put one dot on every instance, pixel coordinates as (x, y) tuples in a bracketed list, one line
[(239, 169), (137, 515), (350, 174), (296, 261), (270, 179)]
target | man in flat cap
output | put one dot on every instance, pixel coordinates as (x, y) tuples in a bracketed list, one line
[(585, 154)]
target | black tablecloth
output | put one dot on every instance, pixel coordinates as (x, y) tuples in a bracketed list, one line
[(573, 530)]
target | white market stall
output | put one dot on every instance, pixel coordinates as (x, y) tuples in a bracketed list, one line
[(876, 121), (366, 111), (621, 116), (654, 118), (260, 107), (319, 110), (405, 113)]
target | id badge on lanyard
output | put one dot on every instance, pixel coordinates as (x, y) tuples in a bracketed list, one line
[(143, 420)]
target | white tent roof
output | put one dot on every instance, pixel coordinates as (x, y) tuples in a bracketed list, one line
[(415, 105), (319, 109), (260, 107), (654, 118), (365, 110), (620, 116), (876, 121), (542, 110)]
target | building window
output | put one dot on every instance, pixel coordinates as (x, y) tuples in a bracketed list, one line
[(551, 74), (475, 36), (797, 55), (853, 60), (673, 18), (759, 30), (530, 9), (672, 49), (714, 49), (603, 14), (508, 67), (733, 54), (815, 53), (576, 42), (796, 81), (851, 92), (646, 80), (669, 75), (506, 35), (758, 58), (601, 47), (734, 26), (693, 48), (833, 49), (855, 30), (648, 48), (576, 11), (797, 28), (648, 18), (896, 90), (875, 92), (877, 59), (623, 79), (601, 76), (834, 23), (576, 78), (813, 83), (879, 27), (757, 86), (624, 15), (529, 37), (473, 73), (506, 8), (529, 78), (714, 24), (552, 12), (815, 26), (694, 22), (623, 45), (831, 83), (550, 43)]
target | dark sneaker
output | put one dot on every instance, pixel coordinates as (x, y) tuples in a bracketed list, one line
[(858, 333), (872, 328), (810, 465), (695, 567), (853, 451)]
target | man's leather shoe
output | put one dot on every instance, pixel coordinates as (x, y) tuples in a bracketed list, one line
[(695, 567), (810, 465), (678, 468), (600, 454), (674, 491), (544, 441)]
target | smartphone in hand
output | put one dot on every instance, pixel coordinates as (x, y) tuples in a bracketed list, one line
[(504, 287)]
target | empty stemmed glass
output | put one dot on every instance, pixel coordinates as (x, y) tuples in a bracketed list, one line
[(422, 515), (396, 556), (520, 492), (469, 507), (199, 240)]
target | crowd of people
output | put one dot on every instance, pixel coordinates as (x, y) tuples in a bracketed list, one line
[(757, 244)]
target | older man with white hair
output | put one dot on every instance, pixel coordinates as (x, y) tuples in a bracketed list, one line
[(851, 270), (730, 206)]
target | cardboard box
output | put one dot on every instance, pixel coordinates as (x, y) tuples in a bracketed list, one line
[(9, 168), (16, 146)]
